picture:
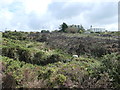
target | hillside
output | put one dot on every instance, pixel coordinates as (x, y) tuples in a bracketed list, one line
[(45, 60)]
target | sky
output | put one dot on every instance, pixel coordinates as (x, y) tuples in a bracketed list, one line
[(36, 15)]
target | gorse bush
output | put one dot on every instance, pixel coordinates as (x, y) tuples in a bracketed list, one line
[(38, 57), (18, 53), (34, 55), (25, 55), (111, 65), (51, 59), (15, 35), (98, 50), (55, 58)]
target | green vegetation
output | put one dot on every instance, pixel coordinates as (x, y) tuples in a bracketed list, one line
[(71, 28), (27, 62), (63, 27)]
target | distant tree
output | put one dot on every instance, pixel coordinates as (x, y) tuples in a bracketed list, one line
[(106, 30), (81, 29), (63, 27), (72, 30), (45, 31), (55, 31), (37, 32)]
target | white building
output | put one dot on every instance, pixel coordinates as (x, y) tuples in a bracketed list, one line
[(97, 29)]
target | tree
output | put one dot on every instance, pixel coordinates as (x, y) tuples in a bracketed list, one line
[(63, 27), (81, 29), (72, 30), (45, 31)]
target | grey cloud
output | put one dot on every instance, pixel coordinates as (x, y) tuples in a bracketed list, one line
[(103, 13), (60, 11), (39, 22)]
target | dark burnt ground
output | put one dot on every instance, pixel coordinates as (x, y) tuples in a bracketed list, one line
[(85, 45)]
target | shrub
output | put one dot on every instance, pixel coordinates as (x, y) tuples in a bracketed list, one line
[(57, 81), (60, 79), (10, 52), (45, 31), (43, 38), (15, 35), (99, 81), (25, 55), (9, 81), (98, 51), (38, 57), (111, 65), (54, 58)]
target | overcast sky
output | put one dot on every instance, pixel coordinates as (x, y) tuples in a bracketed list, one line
[(34, 15)]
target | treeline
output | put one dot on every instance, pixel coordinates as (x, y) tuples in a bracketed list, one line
[(71, 28)]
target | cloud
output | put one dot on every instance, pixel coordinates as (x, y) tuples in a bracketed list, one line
[(22, 14), (49, 14), (64, 10), (102, 13), (90, 13), (38, 6)]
